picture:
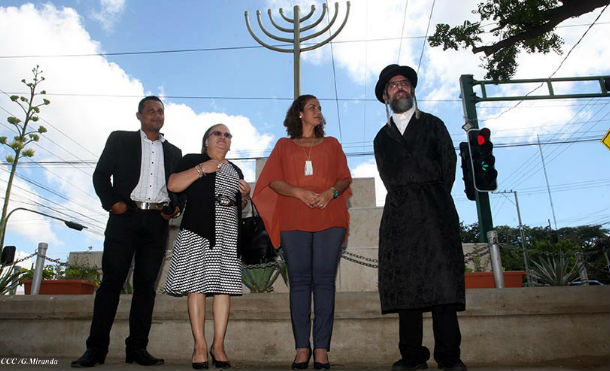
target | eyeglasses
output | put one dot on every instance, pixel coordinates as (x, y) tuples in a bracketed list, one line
[(399, 83), (218, 133)]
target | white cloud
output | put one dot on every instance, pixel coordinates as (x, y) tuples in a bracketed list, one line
[(79, 125), (110, 11), (185, 128)]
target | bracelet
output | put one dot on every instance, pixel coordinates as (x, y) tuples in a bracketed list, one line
[(335, 192), (199, 170)]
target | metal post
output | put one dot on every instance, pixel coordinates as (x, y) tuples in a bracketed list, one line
[(297, 52), (470, 116), (527, 269), (496, 260), (582, 269), (37, 279)]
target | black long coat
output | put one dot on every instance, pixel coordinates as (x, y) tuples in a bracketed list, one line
[(421, 263)]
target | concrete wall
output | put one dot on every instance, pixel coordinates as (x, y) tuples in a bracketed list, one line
[(551, 327)]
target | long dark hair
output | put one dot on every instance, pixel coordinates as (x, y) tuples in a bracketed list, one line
[(292, 122)]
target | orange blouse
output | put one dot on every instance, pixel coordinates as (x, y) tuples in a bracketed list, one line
[(287, 163)]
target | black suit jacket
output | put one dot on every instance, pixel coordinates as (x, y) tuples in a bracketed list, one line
[(121, 160)]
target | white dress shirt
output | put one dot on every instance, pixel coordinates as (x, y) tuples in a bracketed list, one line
[(402, 119), (151, 186)]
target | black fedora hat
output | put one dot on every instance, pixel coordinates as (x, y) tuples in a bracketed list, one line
[(390, 71)]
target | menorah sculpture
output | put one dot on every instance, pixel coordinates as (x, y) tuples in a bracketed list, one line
[(296, 30)]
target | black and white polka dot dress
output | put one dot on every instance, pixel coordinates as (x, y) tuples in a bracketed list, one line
[(197, 268)]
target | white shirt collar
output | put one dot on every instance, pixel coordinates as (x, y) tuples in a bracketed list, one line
[(402, 119), (144, 137)]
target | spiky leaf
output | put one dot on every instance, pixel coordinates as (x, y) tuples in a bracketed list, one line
[(46, 101), (2, 140), (14, 98), (10, 159), (42, 129)]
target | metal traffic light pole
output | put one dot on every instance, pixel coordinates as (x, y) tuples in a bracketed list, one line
[(469, 101), (472, 122)]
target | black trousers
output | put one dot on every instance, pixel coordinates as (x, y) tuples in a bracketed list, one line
[(139, 235), (312, 259), (447, 337)]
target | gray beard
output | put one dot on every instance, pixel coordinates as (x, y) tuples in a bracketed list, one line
[(401, 105)]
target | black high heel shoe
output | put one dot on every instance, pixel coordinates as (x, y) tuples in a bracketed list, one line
[(200, 365), (302, 365), (219, 364), (319, 365)]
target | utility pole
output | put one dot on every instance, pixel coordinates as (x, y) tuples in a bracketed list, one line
[(546, 178), (297, 38)]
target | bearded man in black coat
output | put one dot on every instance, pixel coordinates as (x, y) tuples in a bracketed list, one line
[(421, 263)]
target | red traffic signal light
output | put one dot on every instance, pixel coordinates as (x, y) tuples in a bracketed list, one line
[(482, 160)]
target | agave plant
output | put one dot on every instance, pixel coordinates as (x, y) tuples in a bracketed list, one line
[(554, 271), (9, 278), (259, 278)]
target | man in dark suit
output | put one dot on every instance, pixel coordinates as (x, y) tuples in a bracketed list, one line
[(140, 206)]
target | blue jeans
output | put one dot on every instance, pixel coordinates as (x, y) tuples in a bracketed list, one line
[(312, 259)]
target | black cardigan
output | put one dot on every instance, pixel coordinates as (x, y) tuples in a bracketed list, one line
[(200, 210)]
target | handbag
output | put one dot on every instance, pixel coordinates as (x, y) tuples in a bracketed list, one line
[(256, 246)]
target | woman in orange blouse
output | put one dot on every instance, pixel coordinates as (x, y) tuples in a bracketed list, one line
[(301, 196)]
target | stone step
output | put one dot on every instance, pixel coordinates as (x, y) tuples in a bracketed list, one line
[(521, 327)]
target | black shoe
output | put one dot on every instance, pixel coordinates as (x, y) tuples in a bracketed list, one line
[(319, 365), (459, 366), (200, 365), (142, 357), (90, 358), (302, 365), (404, 365), (219, 364)]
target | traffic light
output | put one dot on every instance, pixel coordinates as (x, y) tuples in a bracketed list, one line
[(482, 160), (471, 193)]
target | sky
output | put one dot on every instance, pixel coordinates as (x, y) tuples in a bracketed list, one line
[(99, 58)]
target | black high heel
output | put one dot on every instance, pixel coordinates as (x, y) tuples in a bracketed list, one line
[(219, 364), (200, 365), (319, 365), (302, 365)]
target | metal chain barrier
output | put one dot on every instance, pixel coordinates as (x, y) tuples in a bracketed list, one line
[(358, 259)]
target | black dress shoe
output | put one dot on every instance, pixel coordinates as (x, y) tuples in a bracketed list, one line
[(142, 357), (219, 364), (90, 358), (302, 365), (459, 366), (200, 365), (401, 364)]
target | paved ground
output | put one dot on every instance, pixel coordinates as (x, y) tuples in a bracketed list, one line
[(61, 364)]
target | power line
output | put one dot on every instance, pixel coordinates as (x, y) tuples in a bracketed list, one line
[(402, 31), (226, 48), (425, 37), (332, 56), (560, 64)]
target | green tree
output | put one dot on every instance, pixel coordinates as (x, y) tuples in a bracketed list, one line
[(25, 135), (520, 25)]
